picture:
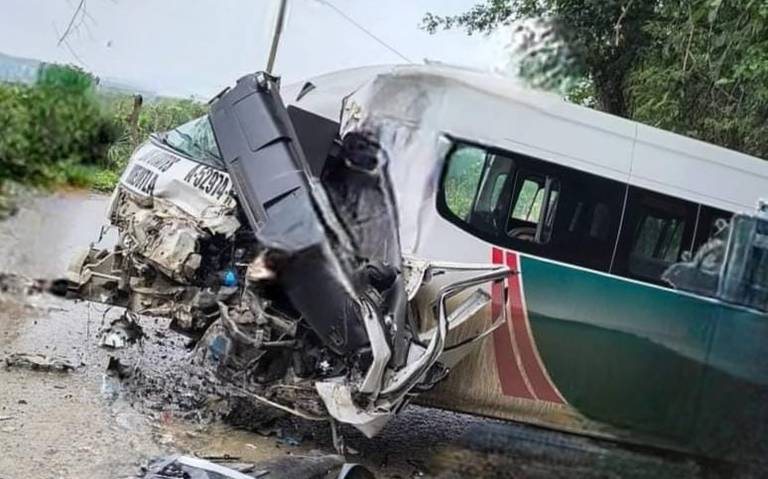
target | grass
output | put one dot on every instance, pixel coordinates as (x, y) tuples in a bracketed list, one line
[(88, 177)]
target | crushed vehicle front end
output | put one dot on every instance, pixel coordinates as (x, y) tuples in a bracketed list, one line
[(273, 237)]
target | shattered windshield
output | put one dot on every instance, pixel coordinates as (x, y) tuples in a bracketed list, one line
[(195, 140)]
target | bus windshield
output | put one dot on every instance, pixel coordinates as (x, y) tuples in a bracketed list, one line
[(195, 139)]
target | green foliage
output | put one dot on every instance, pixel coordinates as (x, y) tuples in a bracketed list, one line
[(69, 79), (696, 67), (594, 39), (60, 131), (57, 121), (154, 117), (582, 93), (462, 179), (16, 121), (706, 73), (484, 17)]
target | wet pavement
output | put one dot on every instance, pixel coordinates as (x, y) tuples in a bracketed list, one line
[(77, 425)]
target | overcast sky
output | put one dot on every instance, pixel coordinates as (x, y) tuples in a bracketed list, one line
[(184, 47)]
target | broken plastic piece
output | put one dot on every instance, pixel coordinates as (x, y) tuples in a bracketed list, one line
[(230, 278)]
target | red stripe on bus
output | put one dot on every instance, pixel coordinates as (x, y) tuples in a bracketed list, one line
[(532, 367), (509, 371)]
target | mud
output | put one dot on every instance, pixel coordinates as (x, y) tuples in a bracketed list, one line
[(83, 425)]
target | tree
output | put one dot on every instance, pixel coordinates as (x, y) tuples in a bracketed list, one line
[(705, 73), (601, 39)]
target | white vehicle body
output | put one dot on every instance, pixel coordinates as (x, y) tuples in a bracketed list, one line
[(420, 116)]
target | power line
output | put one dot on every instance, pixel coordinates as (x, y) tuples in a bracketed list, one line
[(78, 13), (351, 20), (65, 42)]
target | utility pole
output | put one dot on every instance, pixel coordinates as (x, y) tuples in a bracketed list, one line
[(276, 35)]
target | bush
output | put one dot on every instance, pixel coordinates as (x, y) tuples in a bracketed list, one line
[(60, 130), (58, 121), (14, 137)]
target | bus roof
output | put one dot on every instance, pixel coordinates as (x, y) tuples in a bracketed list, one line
[(495, 111)]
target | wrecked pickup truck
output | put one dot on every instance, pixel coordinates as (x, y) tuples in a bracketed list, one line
[(272, 236)]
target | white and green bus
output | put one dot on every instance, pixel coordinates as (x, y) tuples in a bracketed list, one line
[(616, 324)]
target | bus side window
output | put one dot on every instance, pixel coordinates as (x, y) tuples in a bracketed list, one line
[(706, 227), (657, 229), (474, 188), (590, 208), (532, 206), (462, 178), (535, 200), (488, 212), (599, 228)]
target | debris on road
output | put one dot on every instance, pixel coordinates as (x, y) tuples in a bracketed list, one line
[(290, 441), (19, 285), (16, 284), (38, 362), (121, 332), (192, 468), (310, 467), (116, 371), (355, 471)]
